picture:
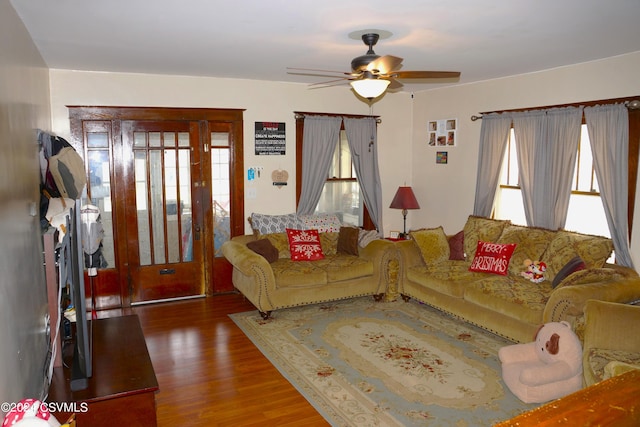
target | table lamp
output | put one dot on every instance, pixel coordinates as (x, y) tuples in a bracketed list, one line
[(404, 199)]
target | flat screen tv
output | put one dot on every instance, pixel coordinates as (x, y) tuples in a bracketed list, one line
[(71, 262)]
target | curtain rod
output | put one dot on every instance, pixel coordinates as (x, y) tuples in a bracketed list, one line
[(632, 103), (301, 115)]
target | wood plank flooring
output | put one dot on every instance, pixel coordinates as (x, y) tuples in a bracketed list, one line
[(209, 372)]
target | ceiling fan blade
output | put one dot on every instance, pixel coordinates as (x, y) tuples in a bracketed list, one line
[(394, 84), (425, 74), (328, 82), (385, 64), (315, 70)]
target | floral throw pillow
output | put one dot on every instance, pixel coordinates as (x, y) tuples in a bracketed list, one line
[(492, 257), (304, 245)]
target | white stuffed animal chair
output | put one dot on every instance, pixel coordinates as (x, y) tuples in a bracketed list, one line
[(546, 369)]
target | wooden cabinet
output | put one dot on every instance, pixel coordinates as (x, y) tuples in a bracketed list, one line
[(123, 386)]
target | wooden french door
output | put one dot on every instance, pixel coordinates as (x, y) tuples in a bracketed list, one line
[(164, 225), (169, 182)]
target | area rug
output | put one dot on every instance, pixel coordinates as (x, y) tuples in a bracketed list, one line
[(366, 363)]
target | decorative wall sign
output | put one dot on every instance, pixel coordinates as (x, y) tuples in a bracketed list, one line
[(270, 139), (280, 177), (442, 157), (442, 133)]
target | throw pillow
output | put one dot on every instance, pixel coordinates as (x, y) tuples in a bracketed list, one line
[(479, 228), (265, 248), (575, 264), (433, 244), (456, 246), (304, 245), (324, 223), (348, 240), (492, 257)]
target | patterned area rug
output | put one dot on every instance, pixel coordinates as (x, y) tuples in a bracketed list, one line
[(366, 363)]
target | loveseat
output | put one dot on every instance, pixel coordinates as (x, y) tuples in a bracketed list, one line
[(353, 262), (435, 269)]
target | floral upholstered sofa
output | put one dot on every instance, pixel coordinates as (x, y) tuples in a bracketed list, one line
[(293, 260), (476, 274)]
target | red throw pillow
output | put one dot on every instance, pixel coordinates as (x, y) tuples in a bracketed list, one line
[(492, 257), (304, 245)]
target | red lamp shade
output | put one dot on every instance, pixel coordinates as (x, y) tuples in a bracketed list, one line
[(404, 199)]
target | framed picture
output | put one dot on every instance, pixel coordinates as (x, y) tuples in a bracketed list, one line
[(394, 234), (442, 133), (442, 157)]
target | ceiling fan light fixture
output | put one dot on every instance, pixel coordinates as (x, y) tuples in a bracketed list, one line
[(370, 88)]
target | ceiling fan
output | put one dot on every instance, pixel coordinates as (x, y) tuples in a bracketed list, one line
[(372, 74)]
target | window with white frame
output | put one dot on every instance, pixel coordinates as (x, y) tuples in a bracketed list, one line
[(586, 212)]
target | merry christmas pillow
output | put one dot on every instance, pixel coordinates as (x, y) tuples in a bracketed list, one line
[(304, 245), (492, 257)]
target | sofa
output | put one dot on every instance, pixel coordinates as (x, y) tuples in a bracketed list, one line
[(482, 274), (270, 271), (611, 342)]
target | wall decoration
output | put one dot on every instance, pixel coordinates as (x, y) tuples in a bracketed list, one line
[(279, 177), (442, 157), (270, 139), (442, 133)]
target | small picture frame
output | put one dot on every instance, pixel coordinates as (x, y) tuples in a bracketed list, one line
[(394, 234), (442, 157)]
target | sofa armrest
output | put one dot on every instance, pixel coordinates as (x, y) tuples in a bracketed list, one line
[(610, 325), (409, 253), (568, 302), (252, 274)]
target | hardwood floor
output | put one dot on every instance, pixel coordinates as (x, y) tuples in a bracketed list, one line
[(209, 372)]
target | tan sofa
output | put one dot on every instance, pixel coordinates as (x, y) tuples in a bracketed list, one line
[(286, 283), (511, 305)]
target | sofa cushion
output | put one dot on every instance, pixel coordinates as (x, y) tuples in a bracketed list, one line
[(348, 240), (512, 296), (281, 242), (298, 274), (265, 248), (492, 257), (450, 277), (531, 243), (266, 224), (345, 267), (329, 243), (432, 243), (456, 246), (479, 228), (333, 268), (304, 245), (565, 245)]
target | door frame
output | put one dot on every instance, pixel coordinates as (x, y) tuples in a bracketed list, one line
[(115, 280)]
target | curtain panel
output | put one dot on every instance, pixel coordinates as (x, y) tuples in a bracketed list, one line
[(321, 135), (608, 127), (494, 135), (362, 139)]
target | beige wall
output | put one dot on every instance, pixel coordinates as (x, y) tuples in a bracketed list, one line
[(446, 192), (24, 107), (263, 101)]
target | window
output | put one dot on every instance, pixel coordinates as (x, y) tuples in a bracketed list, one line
[(341, 192), (585, 195)]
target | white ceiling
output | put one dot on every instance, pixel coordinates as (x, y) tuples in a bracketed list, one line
[(483, 39)]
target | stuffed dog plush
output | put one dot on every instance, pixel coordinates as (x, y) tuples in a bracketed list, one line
[(546, 369)]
